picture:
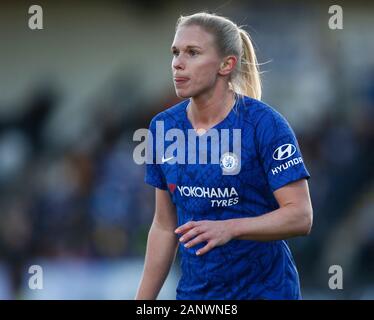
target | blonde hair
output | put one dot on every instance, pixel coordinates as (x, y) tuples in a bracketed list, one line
[(231, 40)]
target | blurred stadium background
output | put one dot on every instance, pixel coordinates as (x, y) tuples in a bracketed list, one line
[(71, 96)]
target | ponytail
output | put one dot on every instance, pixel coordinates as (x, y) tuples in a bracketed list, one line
[(249, 80)]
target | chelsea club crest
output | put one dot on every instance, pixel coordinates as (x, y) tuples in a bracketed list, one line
[(229, 163)]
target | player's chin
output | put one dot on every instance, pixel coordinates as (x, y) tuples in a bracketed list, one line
[(182, 93)]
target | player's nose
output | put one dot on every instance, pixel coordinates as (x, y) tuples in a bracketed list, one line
[(178, 63)]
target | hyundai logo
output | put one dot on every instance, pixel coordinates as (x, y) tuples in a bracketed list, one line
[(284, 151)]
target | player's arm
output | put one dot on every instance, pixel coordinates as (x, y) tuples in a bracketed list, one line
[(161, 248), (293, 218)]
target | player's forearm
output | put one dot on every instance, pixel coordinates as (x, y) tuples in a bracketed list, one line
[(160, 254), (286, 222)]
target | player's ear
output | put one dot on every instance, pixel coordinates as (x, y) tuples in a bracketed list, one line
[(227, 65)]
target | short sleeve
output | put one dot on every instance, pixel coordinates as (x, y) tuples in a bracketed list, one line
[(153, 172), (279, 150)]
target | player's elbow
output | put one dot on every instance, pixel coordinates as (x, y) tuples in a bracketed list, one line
[(306, 220)]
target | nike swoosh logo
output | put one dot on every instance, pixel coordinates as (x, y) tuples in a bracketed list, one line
[(165, 160)]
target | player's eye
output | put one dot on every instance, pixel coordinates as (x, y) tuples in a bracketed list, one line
[(175, 53), (192, 52)]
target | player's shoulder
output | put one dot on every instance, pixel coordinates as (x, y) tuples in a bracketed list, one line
[(259, 113), (172, 115)]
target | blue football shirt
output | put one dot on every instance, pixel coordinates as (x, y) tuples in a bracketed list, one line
[(269, 159)]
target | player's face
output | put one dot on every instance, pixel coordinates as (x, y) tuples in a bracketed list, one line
[(195, 62)]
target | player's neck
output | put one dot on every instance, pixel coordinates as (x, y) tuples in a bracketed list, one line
[(208, 110)]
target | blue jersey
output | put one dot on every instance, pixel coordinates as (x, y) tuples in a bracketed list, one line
[(270, 158)]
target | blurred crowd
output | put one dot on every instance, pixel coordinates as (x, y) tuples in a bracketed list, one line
[(87, 200)]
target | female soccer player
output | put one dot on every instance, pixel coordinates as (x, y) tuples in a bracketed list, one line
[(229, 218)]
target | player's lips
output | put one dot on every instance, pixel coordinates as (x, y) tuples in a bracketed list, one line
[(180, 80)]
